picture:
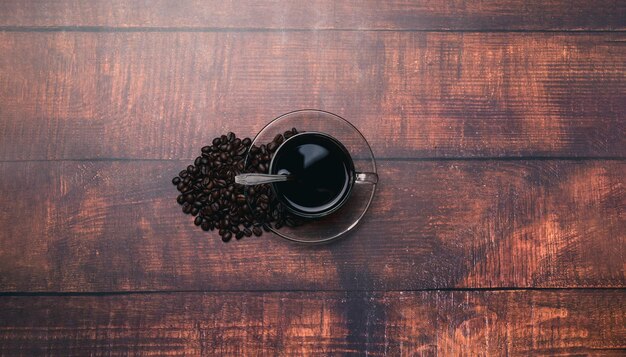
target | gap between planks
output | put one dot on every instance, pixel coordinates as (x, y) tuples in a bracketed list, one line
[(257, 291), (378, 159), (260, 29)]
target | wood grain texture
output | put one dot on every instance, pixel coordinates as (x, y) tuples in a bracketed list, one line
[(321, 14), (102, 102), (512, 323), (115, 226), (163, 95)]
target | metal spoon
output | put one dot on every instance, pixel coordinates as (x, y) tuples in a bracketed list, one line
[(259, 179)]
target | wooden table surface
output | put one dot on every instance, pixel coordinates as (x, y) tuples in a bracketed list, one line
[(499, 226)]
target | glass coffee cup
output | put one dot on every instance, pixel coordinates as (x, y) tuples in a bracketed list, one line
[(321, 174)]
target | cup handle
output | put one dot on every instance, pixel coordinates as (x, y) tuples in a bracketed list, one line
[(366, 177)]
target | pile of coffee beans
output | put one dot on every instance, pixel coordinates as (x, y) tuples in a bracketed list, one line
[(208, 190)]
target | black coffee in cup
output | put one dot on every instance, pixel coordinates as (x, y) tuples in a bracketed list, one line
[(321, 174)]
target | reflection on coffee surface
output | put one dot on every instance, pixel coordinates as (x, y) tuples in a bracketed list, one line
[(322, 173)]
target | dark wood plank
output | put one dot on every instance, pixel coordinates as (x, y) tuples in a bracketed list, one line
[(321, 14), (332, 323), (115, 226), (163, 95)]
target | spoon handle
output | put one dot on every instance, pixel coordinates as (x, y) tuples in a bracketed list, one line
[(259, 179)]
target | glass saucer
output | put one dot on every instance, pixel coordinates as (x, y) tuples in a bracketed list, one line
[(345, 219)]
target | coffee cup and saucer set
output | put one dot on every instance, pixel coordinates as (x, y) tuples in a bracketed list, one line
[(324, 175)]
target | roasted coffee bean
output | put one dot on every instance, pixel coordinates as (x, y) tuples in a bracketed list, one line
[(272, 146), (247, 232), (278, 139), (230, 136), (241, 150), (198, 221), (205, 226), (216, 141), (226, 237), (220, 183), (180, 199), (176, 180), (183, 173), (194, 211), (238, 235), (257, 231), (180, 186)]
